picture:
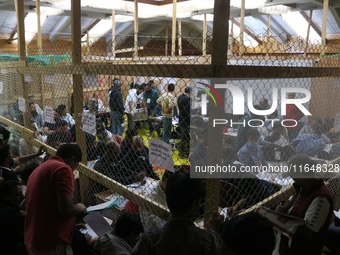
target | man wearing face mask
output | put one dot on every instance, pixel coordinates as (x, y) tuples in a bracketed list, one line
[(251, 153), (150, 97)]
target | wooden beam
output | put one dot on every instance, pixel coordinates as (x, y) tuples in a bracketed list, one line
[(242, 26), (204, 35), (179, 37), (78, 89), (166, 40), (317, 30), (95, 22), (188, 70), (248, 32), (173, 41), (113, 32), (39, 38), (324, 26), (308, 31), (135, 28), (21, 28), (11, 37), (268, 36)]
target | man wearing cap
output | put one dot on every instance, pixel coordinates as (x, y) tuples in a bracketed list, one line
[(116, 107), (312, 202)]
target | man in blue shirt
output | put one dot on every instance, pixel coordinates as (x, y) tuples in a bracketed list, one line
[(310, 144)]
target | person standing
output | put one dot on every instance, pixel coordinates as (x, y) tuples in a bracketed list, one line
[(50, 211), (294, 114), (130, 106), (168, 102), (184, 107), (150, 97), (116, 107)]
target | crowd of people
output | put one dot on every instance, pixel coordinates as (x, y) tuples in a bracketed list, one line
[(43, 219)]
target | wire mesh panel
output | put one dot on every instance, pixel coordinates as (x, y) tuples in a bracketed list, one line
[(139, 93)]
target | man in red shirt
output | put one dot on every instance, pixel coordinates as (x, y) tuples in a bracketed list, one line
[(292, 113), (49, 203)]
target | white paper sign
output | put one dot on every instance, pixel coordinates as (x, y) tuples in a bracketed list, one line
[(22, 104), (4, 71), (1, 87), (89, 123), (337, 122), (160, 154), (48, 114)]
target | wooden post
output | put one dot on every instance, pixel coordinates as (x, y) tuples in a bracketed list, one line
[(19, 6), (179, 37), (215, 134), (113, 33), (20, 11), (39, 39), (78, 89), (243, 13), (136, 29), (308, 32), (173, 41), (204, 35), (88, 43), (232, 40), (324, 26), (268, 36), (166, 40)]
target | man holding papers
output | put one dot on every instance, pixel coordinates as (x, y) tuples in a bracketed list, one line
[(49, 203)]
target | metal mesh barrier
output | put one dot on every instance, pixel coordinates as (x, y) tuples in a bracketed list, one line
[(120, 117)]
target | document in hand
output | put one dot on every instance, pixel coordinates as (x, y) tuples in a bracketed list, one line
[(285, 224), (97, 223)]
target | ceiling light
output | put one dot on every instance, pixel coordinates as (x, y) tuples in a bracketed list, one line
[(250, 4), (275, 9)]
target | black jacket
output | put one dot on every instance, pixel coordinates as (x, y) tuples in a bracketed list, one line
[(116, 100)]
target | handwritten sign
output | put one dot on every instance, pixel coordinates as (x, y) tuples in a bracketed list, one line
[(1, 87), (4, 71), (160, 154), (48, 114), (89, 123), (22, 104)]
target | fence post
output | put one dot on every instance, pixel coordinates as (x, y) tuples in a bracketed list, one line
[(78, 89), (215, 134)]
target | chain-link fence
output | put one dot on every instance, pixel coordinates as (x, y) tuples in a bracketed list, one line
[(128, 106)]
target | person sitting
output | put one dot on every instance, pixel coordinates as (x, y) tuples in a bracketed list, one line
[(8, 164), (310, 144), (107, 163), (312, 202), (50, 128), (241, 138), (12, 218), (60, 135), (155, 193), (179, 235), (251, 153), (126, 145), (135, 166), (37, 116), (279, 137), (103, 134), (61, 109), (250, 234), (306, 129), (125, 236), (4, 135)]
